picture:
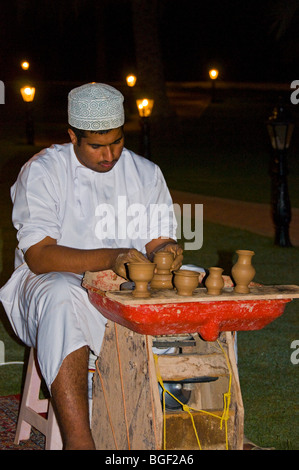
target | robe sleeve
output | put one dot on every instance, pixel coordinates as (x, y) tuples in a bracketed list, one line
[(159, 219), (35, 206)]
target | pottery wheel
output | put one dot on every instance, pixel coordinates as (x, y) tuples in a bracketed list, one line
[(168, 341)]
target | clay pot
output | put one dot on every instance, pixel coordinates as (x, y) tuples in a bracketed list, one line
[(214, 282), (243, 272), (185, 281), (141, 274), (163, 277), (163, 260)]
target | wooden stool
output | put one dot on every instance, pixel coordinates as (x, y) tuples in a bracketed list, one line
[(127, 409), (32, 408)]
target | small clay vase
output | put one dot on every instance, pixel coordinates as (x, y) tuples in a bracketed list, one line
[(163, 277), (185, 281), (243, 272), (214, 282), (163, 260), (141, 274)]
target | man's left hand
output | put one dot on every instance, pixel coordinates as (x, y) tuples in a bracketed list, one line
[(177, 252)]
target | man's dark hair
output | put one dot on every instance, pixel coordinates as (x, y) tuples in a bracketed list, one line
[(81, 132)]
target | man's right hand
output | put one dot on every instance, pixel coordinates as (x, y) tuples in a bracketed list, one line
[(131, 256)]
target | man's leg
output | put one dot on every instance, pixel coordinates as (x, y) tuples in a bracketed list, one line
[(70, 400), (57, 319)]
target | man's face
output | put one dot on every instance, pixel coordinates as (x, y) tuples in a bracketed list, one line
[(99, 152)]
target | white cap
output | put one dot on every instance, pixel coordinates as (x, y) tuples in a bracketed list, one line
[(95, 107)]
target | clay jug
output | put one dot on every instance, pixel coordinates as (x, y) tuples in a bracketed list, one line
[(141, 274), (163, 277), (185, 281), (243, 272), (214, 282)]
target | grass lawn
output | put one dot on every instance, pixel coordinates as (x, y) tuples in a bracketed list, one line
[(224, 152), (269, 380)]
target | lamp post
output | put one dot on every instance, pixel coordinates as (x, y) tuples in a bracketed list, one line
[(28, 94), (280, 128), (213, 73), (145, 107)]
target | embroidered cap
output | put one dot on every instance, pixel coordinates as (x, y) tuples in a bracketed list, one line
[(95, 107)]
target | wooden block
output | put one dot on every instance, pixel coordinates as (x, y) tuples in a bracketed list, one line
[(180, 433), (180, 367), (160, 296), (124, 398)]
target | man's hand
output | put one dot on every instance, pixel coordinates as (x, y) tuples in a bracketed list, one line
[(131, 256), (177, 252), (162, 244)]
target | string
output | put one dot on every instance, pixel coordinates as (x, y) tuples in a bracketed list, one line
[(152, 398), (106, 402), (122, 386), (226, 398)]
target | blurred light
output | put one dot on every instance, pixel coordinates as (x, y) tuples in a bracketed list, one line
[(28, 93), (131, 80), (25, 65), (213, 74), (145, 107)]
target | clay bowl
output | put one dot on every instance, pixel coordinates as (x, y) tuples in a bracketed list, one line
[(185, 281), (141, 274)]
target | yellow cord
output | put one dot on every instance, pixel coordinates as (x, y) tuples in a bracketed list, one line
[(226, 398)]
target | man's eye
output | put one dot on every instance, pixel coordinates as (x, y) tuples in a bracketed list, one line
[(94, 146)]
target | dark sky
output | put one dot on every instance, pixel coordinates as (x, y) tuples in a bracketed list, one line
[(194, 35)]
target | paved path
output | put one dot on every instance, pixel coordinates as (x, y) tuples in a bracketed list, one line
[(249, 216)]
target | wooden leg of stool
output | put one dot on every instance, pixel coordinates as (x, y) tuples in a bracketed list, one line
[(32, 409), (29, 399), (53, 438)]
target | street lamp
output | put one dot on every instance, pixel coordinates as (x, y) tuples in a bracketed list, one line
[(131, 80), (28, 94), (280, 128), (213, 73), (25, 65), (145, 107)]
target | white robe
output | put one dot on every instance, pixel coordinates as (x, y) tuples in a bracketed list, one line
[(56, 196)]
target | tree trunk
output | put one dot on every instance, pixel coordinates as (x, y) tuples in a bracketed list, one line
[(101, 63), (150, 73)]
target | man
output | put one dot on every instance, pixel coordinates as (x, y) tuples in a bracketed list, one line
[(58, 199)]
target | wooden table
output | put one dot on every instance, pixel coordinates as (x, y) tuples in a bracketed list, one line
[(127, 410), (165, 312)]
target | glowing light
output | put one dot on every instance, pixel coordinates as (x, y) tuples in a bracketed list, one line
[(25, 65), (28, 93), (213, 74), (145, 107), (131, 80)]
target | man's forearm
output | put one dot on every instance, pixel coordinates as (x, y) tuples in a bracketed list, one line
[(52, 257)]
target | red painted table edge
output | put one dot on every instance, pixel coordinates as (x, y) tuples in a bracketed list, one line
[(178, 318)]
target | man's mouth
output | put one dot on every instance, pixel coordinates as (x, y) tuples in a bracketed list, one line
[(107, 165)]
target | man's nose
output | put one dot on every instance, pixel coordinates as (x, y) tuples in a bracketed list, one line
[(108, 154)]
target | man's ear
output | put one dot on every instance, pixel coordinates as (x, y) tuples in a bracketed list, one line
[(73, 137)]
